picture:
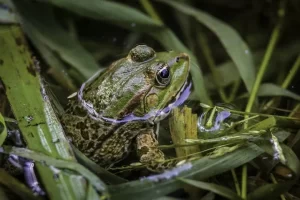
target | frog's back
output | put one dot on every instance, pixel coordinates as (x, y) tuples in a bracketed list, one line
[(111, 94)]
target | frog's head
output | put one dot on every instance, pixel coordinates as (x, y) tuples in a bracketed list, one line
[(144, 85), (165, 77), (167, 74)]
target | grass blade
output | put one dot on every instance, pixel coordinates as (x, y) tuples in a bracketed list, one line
[(235, 46), (123, 15), (40, 24), (40, 128), (218, 189), (270, 89), (3, 130)]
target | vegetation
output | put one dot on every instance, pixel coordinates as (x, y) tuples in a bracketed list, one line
[(244, 54)]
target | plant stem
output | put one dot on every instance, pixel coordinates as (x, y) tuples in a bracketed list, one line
[(259, 114), (292, 73), (244, 182), (236, 182), (150, 10), (275, 181), (295, 110), (287, 80), (262, 69), (234, 90)]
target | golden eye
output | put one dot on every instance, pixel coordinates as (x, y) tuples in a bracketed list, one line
[(163, 76)]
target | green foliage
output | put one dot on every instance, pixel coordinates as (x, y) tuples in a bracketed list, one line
[(34, 113), (3, 130), (228, 44), (220, 190)]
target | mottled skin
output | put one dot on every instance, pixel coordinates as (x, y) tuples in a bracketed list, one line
[(137, 85)]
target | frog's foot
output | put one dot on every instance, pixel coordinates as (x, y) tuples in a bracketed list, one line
[(31, 179), (150, 155), (17, 165)]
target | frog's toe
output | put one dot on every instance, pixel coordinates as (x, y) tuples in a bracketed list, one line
[(152, 155)]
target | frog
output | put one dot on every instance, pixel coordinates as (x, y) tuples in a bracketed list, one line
[(119, 110)]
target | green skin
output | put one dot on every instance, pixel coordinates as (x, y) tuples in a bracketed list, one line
[(131, 85)]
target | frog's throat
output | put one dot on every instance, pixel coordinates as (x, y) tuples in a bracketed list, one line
[(180, 98), (152, 117)]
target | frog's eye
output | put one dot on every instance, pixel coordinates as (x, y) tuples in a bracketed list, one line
[(163, 76), (141, 53)]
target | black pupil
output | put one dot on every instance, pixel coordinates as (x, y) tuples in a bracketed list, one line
[(164, 73)]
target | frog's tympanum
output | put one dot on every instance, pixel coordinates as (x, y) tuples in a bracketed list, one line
[(118, 111)]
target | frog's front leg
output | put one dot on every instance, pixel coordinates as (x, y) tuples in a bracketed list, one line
[(148, 152)]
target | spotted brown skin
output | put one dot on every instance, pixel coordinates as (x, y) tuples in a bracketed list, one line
[(141, 84)]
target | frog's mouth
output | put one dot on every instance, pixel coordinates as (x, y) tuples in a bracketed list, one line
[(180, 98)]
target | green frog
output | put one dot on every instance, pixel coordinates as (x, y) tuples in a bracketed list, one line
[(119, 110)]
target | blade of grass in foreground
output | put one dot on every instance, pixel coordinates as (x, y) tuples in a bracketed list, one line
[(218, 189), (40, 128), (53, 162), (3, 130), (201, 169)]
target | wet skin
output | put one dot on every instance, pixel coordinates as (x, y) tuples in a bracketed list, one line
[(117, 111)]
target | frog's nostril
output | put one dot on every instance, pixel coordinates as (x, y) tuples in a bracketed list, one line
[(184, 56)]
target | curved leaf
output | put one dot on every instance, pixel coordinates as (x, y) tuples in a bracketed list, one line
[(236, 48), (292, 161), (270, 191), (270, 89), (218, 189), (40, 24), (113, 12)]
